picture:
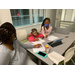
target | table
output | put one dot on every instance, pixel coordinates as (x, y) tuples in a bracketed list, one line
[(67, 42)]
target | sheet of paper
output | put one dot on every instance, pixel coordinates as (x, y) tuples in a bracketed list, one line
[(39, 49), (56, 57), (51, 38), (40, 41)]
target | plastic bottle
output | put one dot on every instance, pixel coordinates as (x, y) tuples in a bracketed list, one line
[(46, 49)]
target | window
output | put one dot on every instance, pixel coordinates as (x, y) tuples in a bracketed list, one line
[(67, 15), (67, 19), (38, 15), (21, 17)]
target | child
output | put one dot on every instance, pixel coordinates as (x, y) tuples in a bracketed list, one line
[(45, 27), (34, 35)]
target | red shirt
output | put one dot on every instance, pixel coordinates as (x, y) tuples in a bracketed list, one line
[(32, 38)]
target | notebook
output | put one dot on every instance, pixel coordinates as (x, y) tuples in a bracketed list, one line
[(56, 57)]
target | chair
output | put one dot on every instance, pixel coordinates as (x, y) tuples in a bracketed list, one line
[(69, 54), (61, 30), (21, 35)]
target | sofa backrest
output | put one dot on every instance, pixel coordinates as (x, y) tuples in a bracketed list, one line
[(21, 34)]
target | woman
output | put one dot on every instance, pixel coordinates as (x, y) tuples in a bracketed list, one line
[(45, 27), (11, 50)]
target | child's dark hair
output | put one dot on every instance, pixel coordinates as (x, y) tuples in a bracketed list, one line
[(6, 31), (34, 29), (44, 21)]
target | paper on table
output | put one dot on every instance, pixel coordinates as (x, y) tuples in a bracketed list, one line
[(56, 57), (39, 49), (40, 41), (51, 38)]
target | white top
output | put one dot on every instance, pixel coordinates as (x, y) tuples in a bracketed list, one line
[(17, 56)]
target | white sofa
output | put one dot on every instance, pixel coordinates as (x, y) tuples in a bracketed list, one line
[(21, 35)]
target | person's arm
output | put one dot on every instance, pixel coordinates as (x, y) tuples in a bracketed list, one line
[(25, 45), (4, 59), (43, 32), (40, 36), (50, 28), (31, 38), (28, 46)]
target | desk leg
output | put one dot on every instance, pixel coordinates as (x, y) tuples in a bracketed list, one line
[(39, 62)]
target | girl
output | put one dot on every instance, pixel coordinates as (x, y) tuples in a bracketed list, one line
[(11, 50), (35, 35), (45, 27)]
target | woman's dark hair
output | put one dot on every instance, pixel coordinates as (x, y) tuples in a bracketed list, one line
[(6, 31), (44, 21), (9, 27)]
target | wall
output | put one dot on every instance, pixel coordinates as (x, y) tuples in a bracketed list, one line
[(58, 17), (5, 16), (51, 13)]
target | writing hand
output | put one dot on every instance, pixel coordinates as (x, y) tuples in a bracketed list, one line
[(46, 36), (36, 39), (37, 45), (41, 37)]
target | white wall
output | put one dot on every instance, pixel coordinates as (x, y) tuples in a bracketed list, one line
[(51, 13), (58, 17), (5, 16)]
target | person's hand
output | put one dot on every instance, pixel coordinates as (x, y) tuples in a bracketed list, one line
[(41, 37), (46, 35), (36, 39), (37, 45)]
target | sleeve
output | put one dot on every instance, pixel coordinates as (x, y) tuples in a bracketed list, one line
[(25, 45), (43, 32), (4, 59), (31, 38), (50, 29), (40, 35)]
